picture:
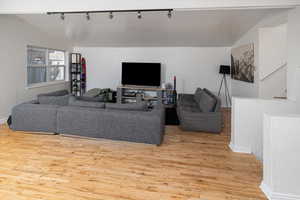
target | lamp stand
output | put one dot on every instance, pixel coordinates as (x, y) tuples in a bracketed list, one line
[(227, 96)]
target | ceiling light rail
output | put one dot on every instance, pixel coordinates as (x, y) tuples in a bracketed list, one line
[(110, 12)]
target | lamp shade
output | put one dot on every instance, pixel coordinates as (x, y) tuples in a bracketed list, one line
[(224, 69)]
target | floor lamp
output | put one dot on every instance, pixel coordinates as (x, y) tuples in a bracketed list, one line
[(225, 70)]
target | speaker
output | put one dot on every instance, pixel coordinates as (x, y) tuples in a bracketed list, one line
[(224, 69)]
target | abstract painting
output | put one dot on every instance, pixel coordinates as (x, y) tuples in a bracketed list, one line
[(242, 63)]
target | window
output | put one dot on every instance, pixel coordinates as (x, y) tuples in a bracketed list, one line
[(45, 65)]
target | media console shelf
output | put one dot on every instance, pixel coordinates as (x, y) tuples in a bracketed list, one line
[(127, 94)]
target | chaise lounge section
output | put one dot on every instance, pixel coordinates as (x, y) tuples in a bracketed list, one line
[(133, 126), (132, 123)]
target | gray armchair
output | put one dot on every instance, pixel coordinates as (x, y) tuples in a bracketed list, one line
[(200, 112)]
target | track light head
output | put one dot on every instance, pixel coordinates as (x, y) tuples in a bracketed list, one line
[(169, 14), (62, 16), (111, 16), (139, 15), (88, 17)]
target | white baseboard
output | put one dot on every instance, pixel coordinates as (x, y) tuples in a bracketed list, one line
[(266, 189), (3, 121), (238, 149), (275, 195)]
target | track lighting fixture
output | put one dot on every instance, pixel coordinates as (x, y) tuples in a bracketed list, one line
[(139, 15), (88, 16), (62, 16), (111, 15), (170, 14)]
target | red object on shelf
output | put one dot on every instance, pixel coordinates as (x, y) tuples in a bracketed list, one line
[(83, 75), (83, 62), (174, 82)]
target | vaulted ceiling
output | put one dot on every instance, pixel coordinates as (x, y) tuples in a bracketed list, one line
[(185, 28)]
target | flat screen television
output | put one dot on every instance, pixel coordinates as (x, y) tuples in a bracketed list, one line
[(141, 74)]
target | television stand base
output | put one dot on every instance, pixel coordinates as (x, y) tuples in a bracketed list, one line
[(121, 90)]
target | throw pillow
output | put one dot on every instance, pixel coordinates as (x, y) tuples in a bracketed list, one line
[(207, 102), (218, 103), (92, 93), (197, 95)]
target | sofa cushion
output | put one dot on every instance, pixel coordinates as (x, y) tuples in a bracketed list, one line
[(127, 106), (54, 100), (207, 102), (75, 102), (186, 100), (218, 103), (191, 108), (197, 95)]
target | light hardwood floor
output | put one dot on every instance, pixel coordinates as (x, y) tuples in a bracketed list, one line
[(191, 166)]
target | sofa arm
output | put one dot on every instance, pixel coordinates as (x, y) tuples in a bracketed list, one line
[(31, 102), (159, 115), (149, 127), (200, 121), (34, 117), (134, 126), (56, 93)]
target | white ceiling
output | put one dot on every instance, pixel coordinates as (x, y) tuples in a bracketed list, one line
[(185, 28), (38, 6)]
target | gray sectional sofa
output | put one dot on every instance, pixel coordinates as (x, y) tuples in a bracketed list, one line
[(54, 114), (200, 111)]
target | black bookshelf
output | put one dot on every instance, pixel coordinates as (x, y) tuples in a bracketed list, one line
[(77, 75)]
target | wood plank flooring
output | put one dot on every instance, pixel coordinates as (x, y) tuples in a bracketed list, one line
[(188, 166)]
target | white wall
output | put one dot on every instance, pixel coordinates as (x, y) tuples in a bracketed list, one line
[(274, 85), (293, 73), (272, 49), (273, 61), (244, 89), (15, 35), (193, 66)]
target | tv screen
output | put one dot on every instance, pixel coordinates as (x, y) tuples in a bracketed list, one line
[(142, 74)]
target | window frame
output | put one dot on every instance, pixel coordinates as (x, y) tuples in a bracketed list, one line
[(47, 65)]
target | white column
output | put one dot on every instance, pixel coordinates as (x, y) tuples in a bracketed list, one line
[(247, 122), (240, 136), (281, 149)]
